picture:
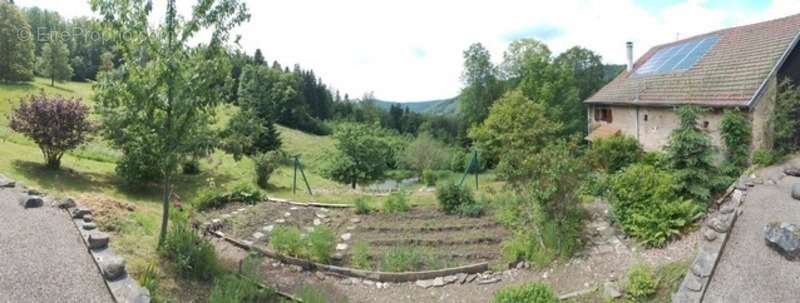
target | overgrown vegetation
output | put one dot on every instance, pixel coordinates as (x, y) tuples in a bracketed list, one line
[(786, 119), (646, 204), (529, 293), (287, 240), (318, 245), (265, 165), (361, 206), (404, 258), (640, 283), (736, 131), (194, 257), (241, 288), (764, 157), (614, 153), (215, 197), (456, 199), (359, 256)]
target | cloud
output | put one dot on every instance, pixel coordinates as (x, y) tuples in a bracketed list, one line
[(412, 50)]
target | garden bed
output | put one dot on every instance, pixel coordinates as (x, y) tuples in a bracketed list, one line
[(425, 238)]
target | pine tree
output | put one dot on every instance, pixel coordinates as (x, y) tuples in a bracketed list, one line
[(258, 57), (55, 60), (16, 55)]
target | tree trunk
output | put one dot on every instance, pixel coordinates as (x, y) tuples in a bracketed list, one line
[(353, 184), (165, 212)]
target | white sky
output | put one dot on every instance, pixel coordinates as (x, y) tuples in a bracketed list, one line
[(411, 50)]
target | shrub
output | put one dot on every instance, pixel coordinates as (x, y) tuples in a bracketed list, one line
[(234, 289), (689, 153), (530, 293), (194, 257), (321, 243), (403, 258), (359, 257), (764, 157), (640, 282), (396, 203), (614, 153), (287, 240), (452, 197), (265, 165), (458, 158), (645, 203), (473, 210), (785, 121), (56, 124), (362, 206), (736, 132), (215, 198)]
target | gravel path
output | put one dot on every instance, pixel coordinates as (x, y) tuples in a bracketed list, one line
[(42, 258), (748, 270)]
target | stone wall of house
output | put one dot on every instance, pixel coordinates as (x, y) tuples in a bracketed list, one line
[(653, 125), (761, 116)]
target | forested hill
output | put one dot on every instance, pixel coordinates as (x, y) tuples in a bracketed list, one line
[(443, 107)]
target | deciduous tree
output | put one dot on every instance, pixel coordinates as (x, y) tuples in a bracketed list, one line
[(361, 156), (17, 57), (54, 62)]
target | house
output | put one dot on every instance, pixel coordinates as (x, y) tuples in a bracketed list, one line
[(738, 67)]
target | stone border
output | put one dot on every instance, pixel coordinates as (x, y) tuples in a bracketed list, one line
[(123, 287), (357, 273), (716, 232), (309, 204)]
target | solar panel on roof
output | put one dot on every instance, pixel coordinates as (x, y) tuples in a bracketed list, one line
[(679, 57)]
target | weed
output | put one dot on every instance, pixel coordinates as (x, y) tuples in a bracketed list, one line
[(360, 256), (287, 240), (530, 293), (362, 206), (321, 243), (234, 289), (402, 258), (640, 282), (764, 157), (149, 280), (310, 294), (194, 257)]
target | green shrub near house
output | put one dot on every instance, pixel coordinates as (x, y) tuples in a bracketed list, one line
[(614, 153)]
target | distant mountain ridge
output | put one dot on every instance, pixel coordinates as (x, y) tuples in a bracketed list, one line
[(443, 107)]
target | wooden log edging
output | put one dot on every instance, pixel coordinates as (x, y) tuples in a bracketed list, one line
[(308, 204), (394, 277)]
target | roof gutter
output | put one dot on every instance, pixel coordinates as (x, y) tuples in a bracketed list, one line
[(761, 89)]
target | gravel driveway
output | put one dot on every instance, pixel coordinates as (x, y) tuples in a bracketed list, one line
[(748, 270), (42, 257)]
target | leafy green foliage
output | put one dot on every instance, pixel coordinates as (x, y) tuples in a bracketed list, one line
[(286, 240), (54, 62), (764, 157), (453, 199), (194, 257), (614, 153), (359, 256), (515, 129), (361, 206), (234, 289), (361, 155), (736, 131), (17, 57), (640, 283), (248, 135), (425, 153), (216, 198), (56, 124), (689, 154), (396, 203), (529, 293), (786, 119), (265, 165), (310, 294), (321, 243), (150, 281), (403, 258), (481, 86), (646, 203), (545, 216)]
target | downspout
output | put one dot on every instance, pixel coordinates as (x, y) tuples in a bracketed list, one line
[(637, 124)]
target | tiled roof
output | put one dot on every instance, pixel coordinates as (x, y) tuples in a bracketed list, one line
[(730, 74)]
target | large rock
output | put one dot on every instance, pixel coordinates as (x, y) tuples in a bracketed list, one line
[(28, 201), (704, 263), (792, 171), (785, 238), (796, 191), (6, 182), (79, 212), (98, 240), (66, 203), (721, 223), (113, 267)]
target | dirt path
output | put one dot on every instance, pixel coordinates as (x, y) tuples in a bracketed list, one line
[(748, 270), (605, 258), (42, 257)]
